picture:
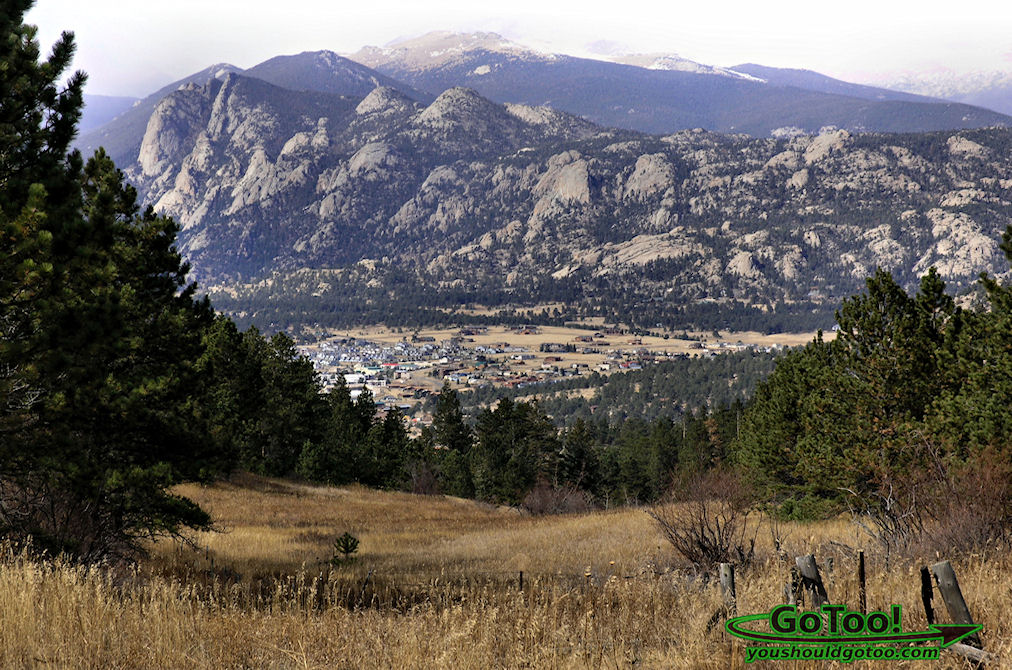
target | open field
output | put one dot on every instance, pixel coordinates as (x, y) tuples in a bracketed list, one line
[(435, 585), (567, 335)]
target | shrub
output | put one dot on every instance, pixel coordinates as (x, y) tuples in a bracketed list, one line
[(547, 499), (707, 520)]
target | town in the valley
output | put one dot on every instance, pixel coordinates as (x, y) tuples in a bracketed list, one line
[(401, 368)]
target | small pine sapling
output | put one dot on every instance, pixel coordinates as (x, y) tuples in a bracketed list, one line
[(346, 545)]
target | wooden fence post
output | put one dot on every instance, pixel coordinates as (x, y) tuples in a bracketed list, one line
[(952, 596), (727, 586), (730, 600), (812, 581), (861, 584), (793, 588), (927, 595)]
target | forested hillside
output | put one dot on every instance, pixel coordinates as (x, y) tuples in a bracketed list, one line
[(906, 412)]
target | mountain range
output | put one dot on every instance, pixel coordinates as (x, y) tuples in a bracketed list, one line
[(318, 185), (663, 97), (986, 89)]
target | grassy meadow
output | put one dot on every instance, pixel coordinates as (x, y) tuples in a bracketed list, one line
[(436, 585)]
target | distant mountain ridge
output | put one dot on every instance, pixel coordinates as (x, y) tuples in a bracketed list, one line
[(656, 93), (992, 90), (317, 71), (661, 98), (327, 72), (101, 109), (813, 81)]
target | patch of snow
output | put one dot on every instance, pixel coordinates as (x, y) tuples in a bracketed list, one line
[(745, 75)]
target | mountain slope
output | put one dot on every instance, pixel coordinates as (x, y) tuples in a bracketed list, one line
[(122, 136), (263, 177), (813, 81), (327, 72), (319, 71), (100, 109), (339, 206), (992, 90)]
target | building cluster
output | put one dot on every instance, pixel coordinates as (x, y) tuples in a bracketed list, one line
[(403, 373)]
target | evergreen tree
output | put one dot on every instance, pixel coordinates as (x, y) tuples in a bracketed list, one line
[(101, 333), (578, 464), (972, 412), (448, 426), (388, 450), (293, 409), (516, 444)]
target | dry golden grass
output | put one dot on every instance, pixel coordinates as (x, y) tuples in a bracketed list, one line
[(272, 525), (270, 603)]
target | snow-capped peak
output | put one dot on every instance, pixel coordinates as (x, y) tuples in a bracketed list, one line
[(674, 62), (438, 48)]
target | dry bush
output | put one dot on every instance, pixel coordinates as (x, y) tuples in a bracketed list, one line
[(949, 506), (973, 506), (547, 499), (423, 479), (894, 519), (711, 520)]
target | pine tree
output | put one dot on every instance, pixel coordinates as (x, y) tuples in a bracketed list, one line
[(101, 331), (448, 426), (578, 465), (516, 444), (293, 412)]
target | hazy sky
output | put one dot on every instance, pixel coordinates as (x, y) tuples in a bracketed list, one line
[(131, 47)]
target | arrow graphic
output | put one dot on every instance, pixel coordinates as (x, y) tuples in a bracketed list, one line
[(947, 633)]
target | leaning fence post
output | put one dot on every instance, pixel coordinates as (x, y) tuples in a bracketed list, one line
[(812, 581), (948, 586), (521, 580)]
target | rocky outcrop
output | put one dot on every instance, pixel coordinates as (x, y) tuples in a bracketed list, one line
[(385, 100)]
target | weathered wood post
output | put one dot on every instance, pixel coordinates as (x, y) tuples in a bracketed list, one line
[(861, 584), (792, 589), (521, 580), (727, 586), (730, 600), (812, 581), (927, 595), (952, 596)]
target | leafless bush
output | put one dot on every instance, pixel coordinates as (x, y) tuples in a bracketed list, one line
[(423, 479), (547, 499), (948, 505), (779, 534), (894, 520), (974, 507), (710, 520)]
